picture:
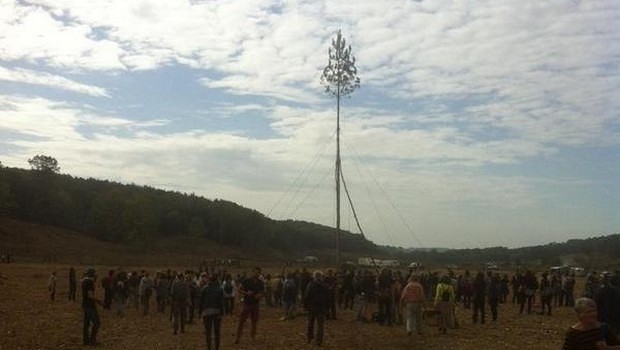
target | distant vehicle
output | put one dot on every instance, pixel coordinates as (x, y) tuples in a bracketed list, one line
[(578, 271), (308, 259), (607, 274), (559, 269), (226, 262), (415, 265), (390, 263), (491, 266), (365, 261), (452, 267), (348, 265), (368, 261)]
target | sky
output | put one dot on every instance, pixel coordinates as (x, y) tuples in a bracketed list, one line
[(476, 124)]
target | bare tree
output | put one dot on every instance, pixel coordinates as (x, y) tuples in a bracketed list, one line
[(340, 79)]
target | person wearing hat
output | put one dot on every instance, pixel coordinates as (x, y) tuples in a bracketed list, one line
[(89, 305)]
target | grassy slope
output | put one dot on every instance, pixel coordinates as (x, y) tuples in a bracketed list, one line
[(37, 243)]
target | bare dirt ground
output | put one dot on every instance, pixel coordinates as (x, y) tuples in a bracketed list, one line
[(28, 320)]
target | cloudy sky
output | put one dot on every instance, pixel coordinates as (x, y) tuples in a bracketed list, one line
[(477, 123)]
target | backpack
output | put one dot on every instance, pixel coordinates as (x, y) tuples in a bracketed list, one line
[(228, 288)]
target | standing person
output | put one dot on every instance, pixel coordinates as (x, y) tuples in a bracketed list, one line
[(546, 294), (133, 281), (431, 283), (180, 300), (348, 286), (589, 333), (72, 284), (289, 297), (367, 294), (194, 296), (277, 285), (51, 286), (107, 283), (145, 289), (529, 285), (516, 283), (444, 301), (89, 307), (569, 290), (251, 290), (211, 309), (494, 295), (608, 303), (399, 285), (467, 289), (331, 281), (268, 290), (305, 278), (316, 300), (556, 285), (504, 288), (161, 291), (120, 292), (384, 298), (413, 298), (230, 292), (479, 297)]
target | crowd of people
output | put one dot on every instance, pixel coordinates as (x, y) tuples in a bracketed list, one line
[(416, 299)]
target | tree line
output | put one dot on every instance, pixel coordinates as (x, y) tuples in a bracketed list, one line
[(132, 214), (128, 213), (592, 253)]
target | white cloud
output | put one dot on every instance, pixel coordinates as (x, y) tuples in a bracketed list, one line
[(52, 121), (31, 33), (449, 89), (41, 78)]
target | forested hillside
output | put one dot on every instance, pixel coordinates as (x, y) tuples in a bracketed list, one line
[(120, 213), (134, 215), (594, 252)]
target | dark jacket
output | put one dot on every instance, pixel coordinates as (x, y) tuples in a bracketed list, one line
[(211, 298), (180, 292), (316, 298)]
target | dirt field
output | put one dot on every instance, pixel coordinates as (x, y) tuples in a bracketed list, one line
[(28, 320)]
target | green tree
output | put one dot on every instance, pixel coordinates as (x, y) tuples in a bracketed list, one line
[(340, 75), (6, 202), (197, 227), (44, 163), (340, 79)]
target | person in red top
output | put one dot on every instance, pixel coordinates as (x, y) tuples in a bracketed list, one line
[(413, 298)]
